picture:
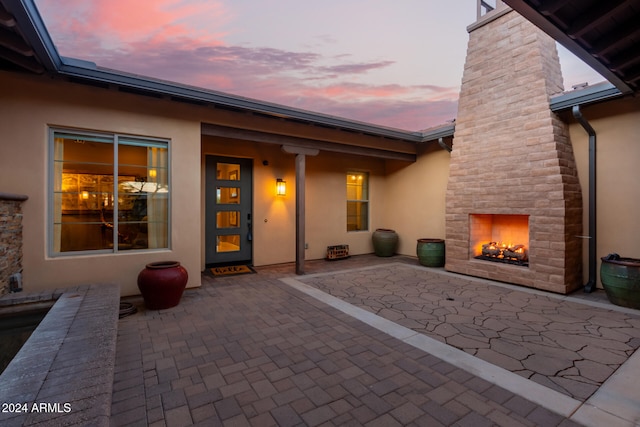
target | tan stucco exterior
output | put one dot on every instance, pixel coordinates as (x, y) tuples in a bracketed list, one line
[(28, 108), (617, 126), (415, 197), (408, 197), (30, 105)]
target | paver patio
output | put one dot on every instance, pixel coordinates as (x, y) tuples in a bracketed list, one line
[(567, 346), (252, 350)]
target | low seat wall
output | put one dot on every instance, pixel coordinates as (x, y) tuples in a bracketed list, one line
[(63, 375)]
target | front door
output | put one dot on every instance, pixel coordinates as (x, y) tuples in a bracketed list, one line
[(228, 210)]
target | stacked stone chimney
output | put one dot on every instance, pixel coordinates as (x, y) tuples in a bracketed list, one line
[(512, 156)]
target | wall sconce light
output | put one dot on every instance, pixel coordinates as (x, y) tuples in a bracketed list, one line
[(281, 187), (152, 173), (85, 195)]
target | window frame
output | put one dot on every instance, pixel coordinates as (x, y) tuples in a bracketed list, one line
[(366, 201), (115, 141)]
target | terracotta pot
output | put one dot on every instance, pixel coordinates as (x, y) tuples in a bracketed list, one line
[(162, 284), (385, 242)]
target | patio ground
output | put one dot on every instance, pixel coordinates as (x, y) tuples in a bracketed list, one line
[(372, 341)]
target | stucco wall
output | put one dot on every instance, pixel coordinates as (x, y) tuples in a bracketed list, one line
[(617, 126), (273, 229), (415, 197), (28, 107)]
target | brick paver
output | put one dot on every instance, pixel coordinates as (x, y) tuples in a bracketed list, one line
[(249, 350)]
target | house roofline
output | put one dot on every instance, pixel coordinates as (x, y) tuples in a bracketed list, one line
[(36, 34), (600, 92), (84, 70), (33, 29)]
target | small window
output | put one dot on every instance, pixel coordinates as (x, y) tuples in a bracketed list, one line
[(357, 201), (109, 193)]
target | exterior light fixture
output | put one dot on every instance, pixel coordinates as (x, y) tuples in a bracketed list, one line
[(281, 187), (152, 173)]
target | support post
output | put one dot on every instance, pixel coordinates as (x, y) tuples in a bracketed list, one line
[(300, 212), (301, 154)]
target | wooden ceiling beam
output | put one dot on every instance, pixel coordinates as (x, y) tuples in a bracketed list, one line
[(593, 17), (12, 41), (306, 143), (26, 62)]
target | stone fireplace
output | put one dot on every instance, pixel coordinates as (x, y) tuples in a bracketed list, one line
[(513, 182)]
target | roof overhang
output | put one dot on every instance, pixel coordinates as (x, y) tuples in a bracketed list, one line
[(600, 92), (604, 34)]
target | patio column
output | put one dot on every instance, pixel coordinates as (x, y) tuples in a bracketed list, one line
[(301, 154)]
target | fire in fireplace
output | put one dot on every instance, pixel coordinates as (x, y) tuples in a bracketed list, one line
[(505, 253), (500, 238)]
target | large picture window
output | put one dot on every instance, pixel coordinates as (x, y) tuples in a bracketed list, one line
[(357, 201), (109, 192)]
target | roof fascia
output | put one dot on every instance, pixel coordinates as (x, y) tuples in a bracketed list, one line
[(438, 132), (536, 18), (35, 32), (89, 71), (591, 94)]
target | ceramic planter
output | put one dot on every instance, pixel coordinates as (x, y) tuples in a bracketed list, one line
[(621, 280), (162, 284), (385, 242), (430, 252)]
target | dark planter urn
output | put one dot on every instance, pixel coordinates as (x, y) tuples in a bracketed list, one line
[(430, 252), (162, 283), (385, 242), (621, 280)]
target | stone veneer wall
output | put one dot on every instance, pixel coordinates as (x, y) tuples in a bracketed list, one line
[(10, 238), (512, 155)]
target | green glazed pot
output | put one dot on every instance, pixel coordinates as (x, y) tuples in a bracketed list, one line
[(621, 280), (385, 242), (430, 252)]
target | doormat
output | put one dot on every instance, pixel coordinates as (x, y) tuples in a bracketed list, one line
[(229, 270)]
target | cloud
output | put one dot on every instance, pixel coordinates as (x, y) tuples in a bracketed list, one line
[(171, 41), (356, 68)]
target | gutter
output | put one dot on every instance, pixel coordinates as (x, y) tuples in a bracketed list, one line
[(593, 261), (443, 145)]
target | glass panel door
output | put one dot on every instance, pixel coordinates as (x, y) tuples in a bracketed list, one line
[(228, 216)]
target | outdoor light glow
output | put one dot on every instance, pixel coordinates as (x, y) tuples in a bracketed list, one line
[(281, 187)]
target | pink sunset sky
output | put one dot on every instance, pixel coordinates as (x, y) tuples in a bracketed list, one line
[(391, 63)]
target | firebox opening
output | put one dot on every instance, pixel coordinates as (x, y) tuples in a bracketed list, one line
[(499, 238)]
